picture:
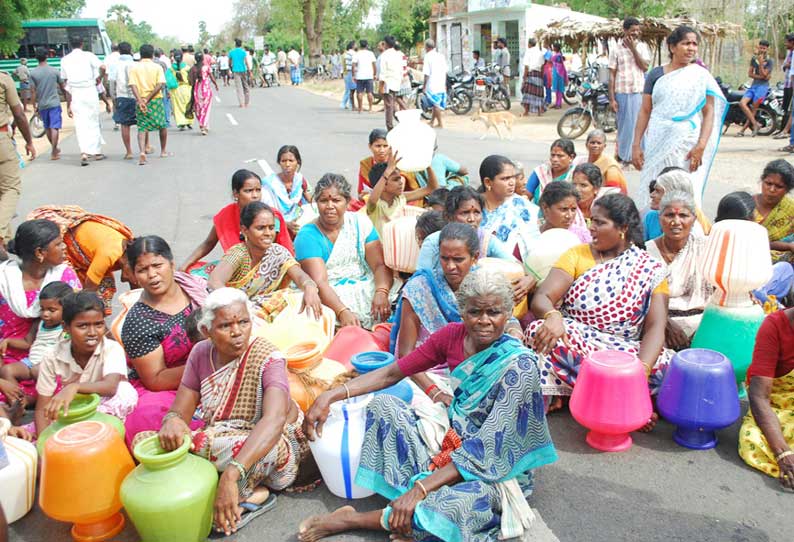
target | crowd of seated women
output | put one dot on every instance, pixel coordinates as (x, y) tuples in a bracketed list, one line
[(181, 356)]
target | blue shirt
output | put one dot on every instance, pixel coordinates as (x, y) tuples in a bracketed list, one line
[(312, 243), (237, 58), (442, 166), (653, 228)]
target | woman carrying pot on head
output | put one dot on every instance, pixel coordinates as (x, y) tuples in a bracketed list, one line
[(342, 253), (465, 476), (252, 428)]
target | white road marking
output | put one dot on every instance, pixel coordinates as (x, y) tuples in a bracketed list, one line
[(232, 120), (217, 98)]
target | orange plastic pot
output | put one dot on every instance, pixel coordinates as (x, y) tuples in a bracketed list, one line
[(83, 467), (309, 373)]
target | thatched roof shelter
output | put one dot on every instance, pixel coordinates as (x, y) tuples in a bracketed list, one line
[(580, 36)]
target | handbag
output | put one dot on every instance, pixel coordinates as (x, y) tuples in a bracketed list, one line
[(170, 79)]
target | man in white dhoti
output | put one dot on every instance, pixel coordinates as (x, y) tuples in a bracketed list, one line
[(81, 69)]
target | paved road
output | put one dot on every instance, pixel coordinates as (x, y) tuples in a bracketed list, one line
[(654, 491)]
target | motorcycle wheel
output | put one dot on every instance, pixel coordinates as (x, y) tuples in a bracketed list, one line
[(768, 121), (376, 98), (570, 95), (501, 98), (462, 102), (574, 123)]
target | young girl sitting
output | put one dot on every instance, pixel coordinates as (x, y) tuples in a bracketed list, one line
[(83, 362), (380, 150), (289, 189), (388, 196), (40, 339)]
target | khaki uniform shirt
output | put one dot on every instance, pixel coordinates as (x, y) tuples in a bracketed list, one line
[(8, 98)]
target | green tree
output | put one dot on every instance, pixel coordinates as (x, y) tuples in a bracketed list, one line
[(204, 37), (48, 9), (13, 12), (406, 20), (121, 13), (623, 8)]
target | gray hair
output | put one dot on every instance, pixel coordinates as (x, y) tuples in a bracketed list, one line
[(676, 180), (678, 196), (481, 282), (596, 133), (221, 299), (430, 44), (332, 180)]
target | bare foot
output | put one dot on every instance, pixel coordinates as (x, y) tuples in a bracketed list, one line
[(555, 404), (648, 427), (317, 527), (259, 496), (142, 159), (128, 156), (149, 149), (55, 156)]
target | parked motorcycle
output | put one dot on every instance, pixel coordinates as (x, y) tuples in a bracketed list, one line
[(490, 90), (594, 109), (575, 80), (765, 115)]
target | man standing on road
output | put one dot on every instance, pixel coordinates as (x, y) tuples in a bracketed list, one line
[(435, 87), (628, 62), (10, 179), (237, 57), (45, 81), (281, 57), (23, 75), (146, 81), (532, 85), (788, 88), (391, 75), (294, 58), (349, 98), (223, 63), (188, 57), (125, 105), (81, 70), (110, 63), (760, 71), (364, 73), (502, 60)]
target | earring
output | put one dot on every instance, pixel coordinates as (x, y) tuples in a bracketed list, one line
[(622, 235)]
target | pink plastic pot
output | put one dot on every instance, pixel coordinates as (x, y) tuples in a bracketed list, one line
[(611, 399)]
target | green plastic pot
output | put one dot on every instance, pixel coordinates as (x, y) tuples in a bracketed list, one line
[(83, 407), (170, 495)]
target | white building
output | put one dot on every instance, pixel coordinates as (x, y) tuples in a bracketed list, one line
[(460, 27)]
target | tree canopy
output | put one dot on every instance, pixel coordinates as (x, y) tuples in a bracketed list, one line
[(122, 27), (13, 12)]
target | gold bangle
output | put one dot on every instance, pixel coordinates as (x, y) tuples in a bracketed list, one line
[(422, 487), (347, 390), (781, 455), (552, 311), (340, 311), (382, 289)]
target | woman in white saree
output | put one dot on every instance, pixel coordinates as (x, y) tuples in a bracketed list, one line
[(682, 111)]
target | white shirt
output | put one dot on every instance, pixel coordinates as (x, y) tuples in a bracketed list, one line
[(435, 67), (80, 69), (363, 60), (110, 62), (294, 57), (391, 69), (224, 62), (533, 58), (121, 76)]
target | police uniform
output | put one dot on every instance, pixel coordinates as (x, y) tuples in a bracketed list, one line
[(10, 179)]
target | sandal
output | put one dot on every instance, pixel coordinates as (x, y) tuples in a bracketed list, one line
[(251, 511), (98, 157), (83, 160), (787, 148)]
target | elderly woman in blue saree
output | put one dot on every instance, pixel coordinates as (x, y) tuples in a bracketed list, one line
[(427, 303), (681, 117), (458, 473)]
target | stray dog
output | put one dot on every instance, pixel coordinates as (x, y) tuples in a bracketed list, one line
[(495, 120)]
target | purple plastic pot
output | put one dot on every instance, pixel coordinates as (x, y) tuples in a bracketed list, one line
[(699, 395)]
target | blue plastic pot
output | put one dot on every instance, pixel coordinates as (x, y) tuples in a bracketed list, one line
[(699, 395), (366, 362)]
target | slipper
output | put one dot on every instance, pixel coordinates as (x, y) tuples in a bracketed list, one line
[(142, 159), (740, 134), (251, 511), (781, 135), (787, 148), (84, 160), (98, 157), (166, 155)]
